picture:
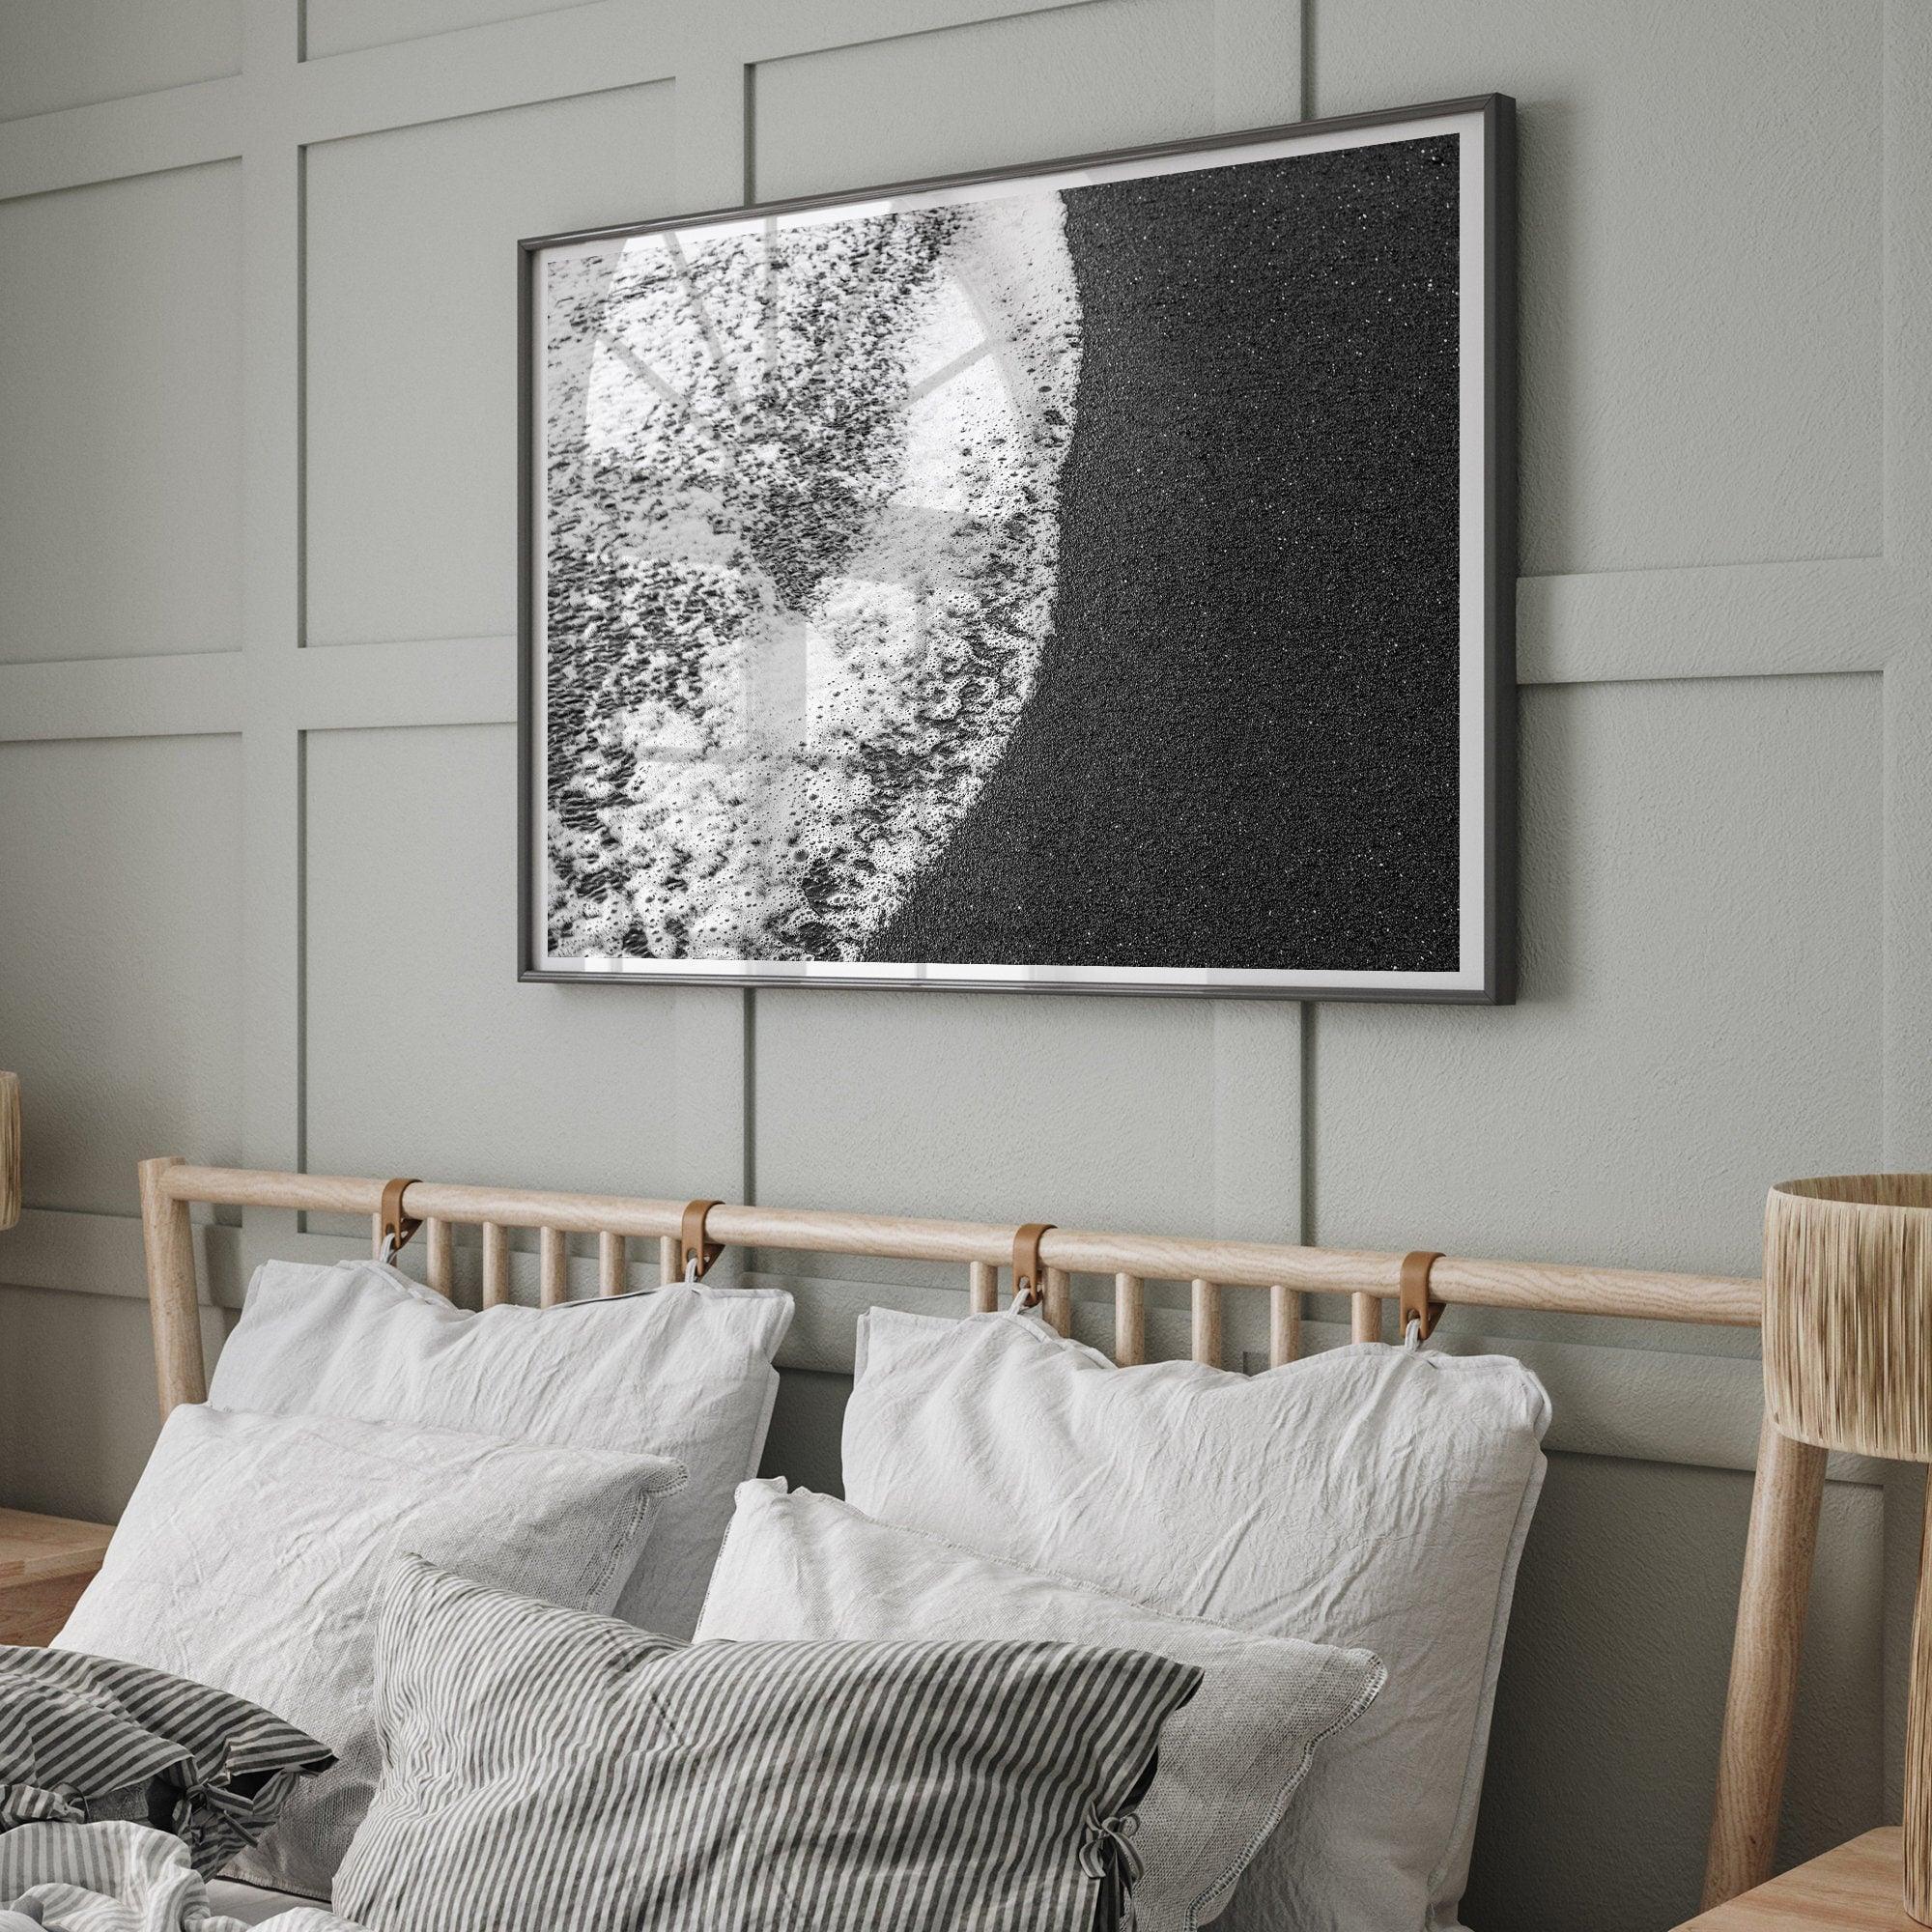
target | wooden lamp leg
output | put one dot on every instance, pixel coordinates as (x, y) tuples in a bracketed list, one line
[(1918, 1740), (1778, 1553)]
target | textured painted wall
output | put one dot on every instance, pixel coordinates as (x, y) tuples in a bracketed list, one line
[(257, 824)]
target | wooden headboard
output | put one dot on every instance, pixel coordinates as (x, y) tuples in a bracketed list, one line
[(1785, 1501)]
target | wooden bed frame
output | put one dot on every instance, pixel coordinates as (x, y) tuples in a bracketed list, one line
[(1786, 1499)]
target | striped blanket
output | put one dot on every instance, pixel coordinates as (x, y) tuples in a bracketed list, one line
[(119, 1877)]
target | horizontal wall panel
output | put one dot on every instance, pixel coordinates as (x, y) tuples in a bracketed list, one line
[(148, 134), (1701, 257), (412, 278), (108, 698), (120, 418), (342, 26), (121, 965), (1701, 999), (102, 1254), (1062, 81), (424, 1054), (1604, 1745), (72, 53)]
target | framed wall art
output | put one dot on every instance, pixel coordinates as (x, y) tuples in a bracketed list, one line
[(1091, 576)]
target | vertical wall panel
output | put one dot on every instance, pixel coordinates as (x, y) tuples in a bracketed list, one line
[(1701, 989), (411, 279), (120, 959), (77, 1408), (1604, 1743), (423, 1050), (1089, 1112), (120, 418), (1701, 217)]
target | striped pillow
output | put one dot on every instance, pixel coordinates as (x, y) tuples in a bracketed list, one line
[(86, 1738), (550, 1770)]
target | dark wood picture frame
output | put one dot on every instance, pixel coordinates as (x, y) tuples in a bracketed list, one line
[(1491, 979)]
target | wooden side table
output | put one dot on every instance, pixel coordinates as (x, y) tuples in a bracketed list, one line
[(46, 1563), (1858, 1887)]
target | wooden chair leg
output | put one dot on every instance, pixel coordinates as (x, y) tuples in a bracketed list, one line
[(1779, 1554)]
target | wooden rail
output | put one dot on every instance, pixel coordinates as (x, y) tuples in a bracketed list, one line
[(1557, 1287)]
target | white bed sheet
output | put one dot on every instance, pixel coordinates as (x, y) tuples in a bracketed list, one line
[(252, 1903)]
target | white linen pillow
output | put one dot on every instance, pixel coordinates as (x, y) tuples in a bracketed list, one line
[(684, 1371), (1374, 1496), (806, 1567), (253, 1554)]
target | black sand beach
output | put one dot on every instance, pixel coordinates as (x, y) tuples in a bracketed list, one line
[(1241, 749)]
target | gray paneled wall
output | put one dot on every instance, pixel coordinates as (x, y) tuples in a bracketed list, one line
[(257, 541)]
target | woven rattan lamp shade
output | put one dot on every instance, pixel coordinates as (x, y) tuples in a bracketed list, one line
[(1848, 1365), (1848, 1313), (9, 1148)]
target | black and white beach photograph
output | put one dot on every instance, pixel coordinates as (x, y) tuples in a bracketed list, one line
[(1074, 578)]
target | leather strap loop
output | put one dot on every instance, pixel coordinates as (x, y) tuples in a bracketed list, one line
[(1028, 1277), (394, 1224), (693, 1246), (1417, 1304)]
